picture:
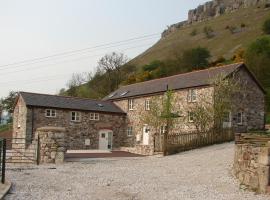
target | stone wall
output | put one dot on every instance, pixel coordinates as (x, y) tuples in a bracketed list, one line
[(28, 119), (250, 101), (252, 162), (52, 144), (213, 9), (78, 132), (135, 116)]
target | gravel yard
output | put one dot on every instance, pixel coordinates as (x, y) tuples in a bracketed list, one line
[(199, 174)]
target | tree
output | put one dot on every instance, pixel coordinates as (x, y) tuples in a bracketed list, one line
[(257, 58), (266, 26), (76, 80), (8, 102), (111, 65), (196, 58), (160, 113), (209, 112)]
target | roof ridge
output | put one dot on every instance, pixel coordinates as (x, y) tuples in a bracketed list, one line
[(70, 97), (211, 68)]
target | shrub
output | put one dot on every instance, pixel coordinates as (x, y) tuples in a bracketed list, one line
[(209, 32), (243, 25), (268, 118), (266, 26), (196, 58), (267, 5)]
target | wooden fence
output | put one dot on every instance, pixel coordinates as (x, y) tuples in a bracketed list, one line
[(186, 141)]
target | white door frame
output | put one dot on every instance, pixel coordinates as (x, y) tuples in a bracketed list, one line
[(146, 135), (105, 139)]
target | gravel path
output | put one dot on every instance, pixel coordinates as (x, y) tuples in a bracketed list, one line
[(200, 174)]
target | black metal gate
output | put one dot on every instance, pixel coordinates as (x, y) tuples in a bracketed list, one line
[(3, 159), (22, 151)]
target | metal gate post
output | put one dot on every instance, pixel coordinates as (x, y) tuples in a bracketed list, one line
[(38, 151), (4, 162)]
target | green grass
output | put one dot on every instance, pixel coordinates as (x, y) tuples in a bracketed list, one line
[(223, 44), (5, 127)]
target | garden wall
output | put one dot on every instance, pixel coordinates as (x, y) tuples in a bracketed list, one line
[(252, 162)]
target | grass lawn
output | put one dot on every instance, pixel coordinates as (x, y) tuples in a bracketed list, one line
[(4, 127)]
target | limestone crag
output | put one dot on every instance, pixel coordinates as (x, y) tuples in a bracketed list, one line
[(213, 9)]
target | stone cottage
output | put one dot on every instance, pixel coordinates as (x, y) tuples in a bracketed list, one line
[(115, 122), (89, 124)]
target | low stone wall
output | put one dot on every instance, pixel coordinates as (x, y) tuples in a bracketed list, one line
[(147, 150), (52, 144), (252, 162)]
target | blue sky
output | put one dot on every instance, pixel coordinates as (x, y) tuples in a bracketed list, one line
[(34, 28)]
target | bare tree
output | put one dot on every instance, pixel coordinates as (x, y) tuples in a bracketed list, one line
[(209, 112), (161, 114), (111, 65)]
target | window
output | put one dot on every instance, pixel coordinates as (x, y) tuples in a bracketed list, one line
[(94, 116), (190, 116), (240, 118), (227, 117), (163, 129), (50, 113), (192, 95), (131, 104), (75, 116), (129, 131), (147, 104)]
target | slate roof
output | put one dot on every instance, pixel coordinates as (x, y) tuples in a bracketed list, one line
[(180, 81), (72, 103)]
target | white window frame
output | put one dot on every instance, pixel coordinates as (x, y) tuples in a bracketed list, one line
[(163, 129), (189, 117), (50, 111), (77, 116), (129, 131), (192, 95), (147, 104), (131, 104), (241, 118), (94, 116)]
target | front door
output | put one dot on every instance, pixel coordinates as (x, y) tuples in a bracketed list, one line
[(146, 132), (105, 140)]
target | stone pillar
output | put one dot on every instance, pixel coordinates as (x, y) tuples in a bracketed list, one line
[(52, 145)]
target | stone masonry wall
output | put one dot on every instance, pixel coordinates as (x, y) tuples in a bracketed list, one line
[(52, 144), (134, 117), (252, 163), (78, 132), (19, 119), (26, 120), (251, 101)]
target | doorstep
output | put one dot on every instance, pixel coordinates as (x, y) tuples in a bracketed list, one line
[(89, 151)]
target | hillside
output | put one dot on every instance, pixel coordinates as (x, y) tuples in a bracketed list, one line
[(181, 39), (233, 27)]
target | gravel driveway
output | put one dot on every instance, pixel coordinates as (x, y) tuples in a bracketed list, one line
[(199, 174)]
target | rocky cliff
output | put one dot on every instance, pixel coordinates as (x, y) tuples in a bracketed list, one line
[(213, 9)]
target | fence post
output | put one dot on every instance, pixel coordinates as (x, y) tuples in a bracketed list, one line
[(4, 162), (38, 151)]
